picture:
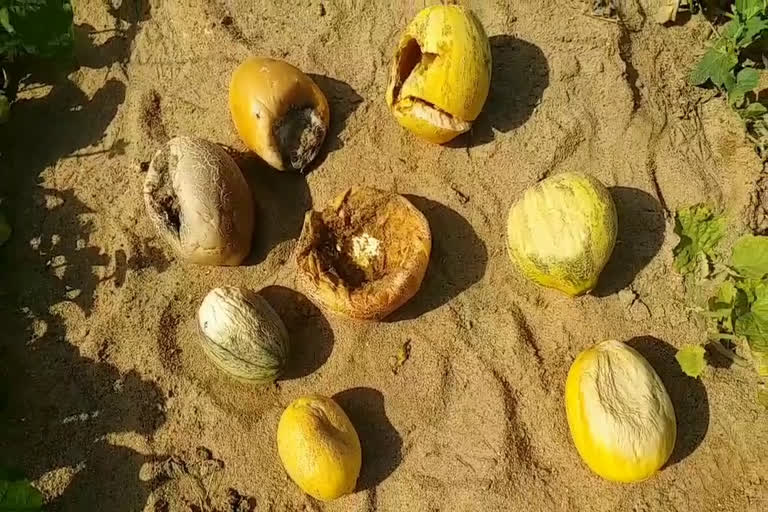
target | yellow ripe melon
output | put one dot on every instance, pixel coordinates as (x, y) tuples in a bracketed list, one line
[(319, 447), (279, 112), (441, 73), (621, 418)]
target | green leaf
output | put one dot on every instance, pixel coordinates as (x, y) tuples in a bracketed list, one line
[(43, 28), (691, 360), (750, 256), (749, 8), (721, 306), (742, 305), (754, 111), (19, 496), (716, 65), (5, 20), (730, 33), (762, 396), (745, 296), (728, 81), (760, 304), (758, 339), (760, 360), (726, 294), (746, 81), (700, 230), (752, 30), (754, 327)]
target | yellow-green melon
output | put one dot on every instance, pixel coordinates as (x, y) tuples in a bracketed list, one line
[(562, 231)]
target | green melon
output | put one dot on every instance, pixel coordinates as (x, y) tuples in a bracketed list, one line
[(562, 231)]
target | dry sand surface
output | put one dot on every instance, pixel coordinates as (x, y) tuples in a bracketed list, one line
[(112, 405)]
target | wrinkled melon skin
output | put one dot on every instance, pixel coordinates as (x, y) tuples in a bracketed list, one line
[(621, 418), (562, 231)]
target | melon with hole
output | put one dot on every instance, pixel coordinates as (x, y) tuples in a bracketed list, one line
[(441, 73)]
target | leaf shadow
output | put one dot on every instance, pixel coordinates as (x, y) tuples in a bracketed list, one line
[(688, 395), (61, 406), (715, 358), (145, 255)]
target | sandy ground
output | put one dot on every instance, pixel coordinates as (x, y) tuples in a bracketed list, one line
[(111, 404)]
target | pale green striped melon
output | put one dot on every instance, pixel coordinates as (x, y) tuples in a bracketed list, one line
[(561, 232), (242, 334)]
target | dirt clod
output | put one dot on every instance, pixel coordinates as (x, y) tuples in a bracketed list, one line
[(757, 211), (152, 117)]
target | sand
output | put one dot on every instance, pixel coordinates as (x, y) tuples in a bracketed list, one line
[(111, 403)]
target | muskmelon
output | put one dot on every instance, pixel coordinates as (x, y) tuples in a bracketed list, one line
[(242, 334), (365, 254), (319, 447), (621, 418), (562, 231), (441, 73), (199, 202), (278, 111)]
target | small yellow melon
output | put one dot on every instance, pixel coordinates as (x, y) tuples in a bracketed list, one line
[(620, 415), (319, 447)]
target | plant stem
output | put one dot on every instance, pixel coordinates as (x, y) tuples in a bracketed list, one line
[(730, 354)]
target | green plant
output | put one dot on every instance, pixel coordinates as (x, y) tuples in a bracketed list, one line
[(700, 230), (30, 30), (737, 309), (17, 494), (727, 65)]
